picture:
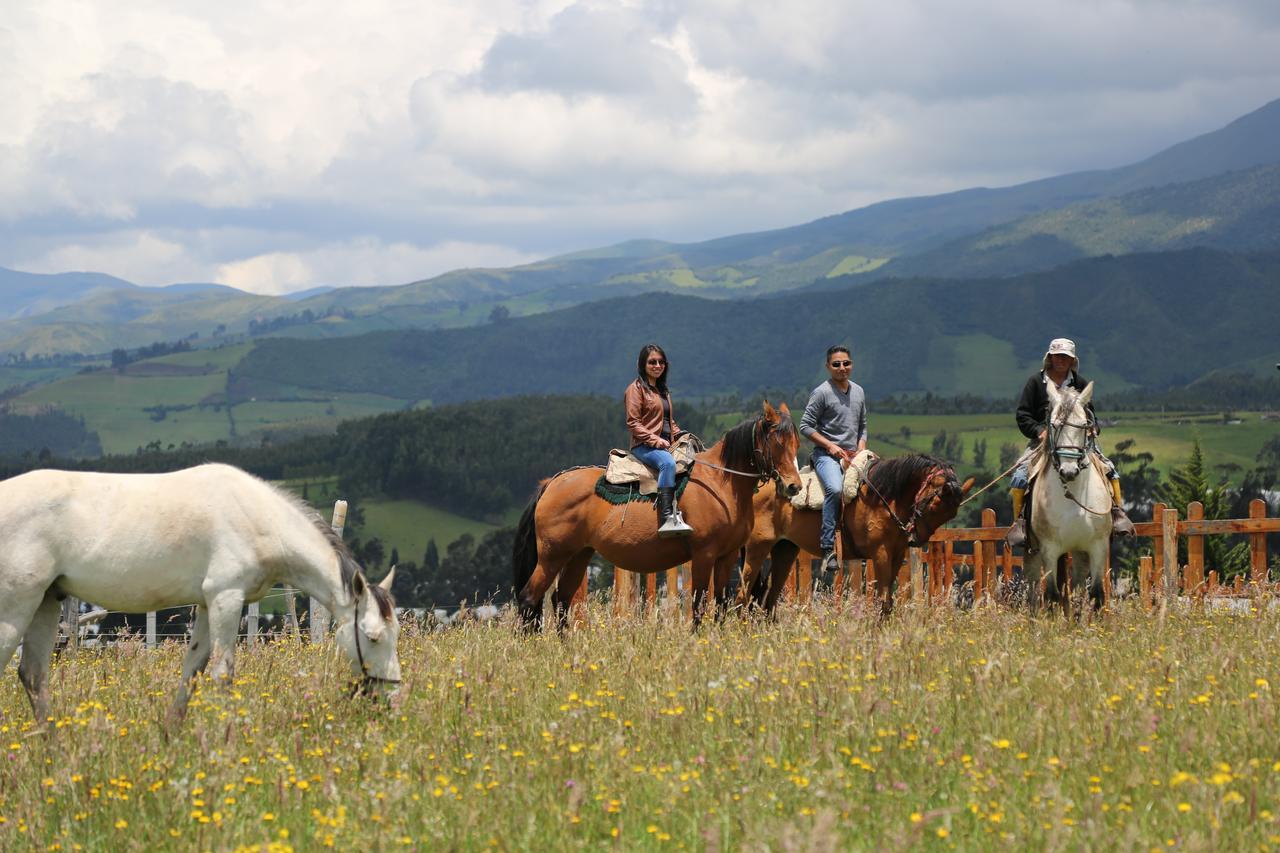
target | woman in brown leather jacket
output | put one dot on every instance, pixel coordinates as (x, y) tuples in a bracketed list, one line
[(653, 428)]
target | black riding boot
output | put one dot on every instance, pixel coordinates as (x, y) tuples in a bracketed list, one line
[(665, 497), (670, 523)]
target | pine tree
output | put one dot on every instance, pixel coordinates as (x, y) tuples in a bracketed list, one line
[(1190, 483)]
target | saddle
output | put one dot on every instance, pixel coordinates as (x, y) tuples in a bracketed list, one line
[(811, 495), (624, 469)]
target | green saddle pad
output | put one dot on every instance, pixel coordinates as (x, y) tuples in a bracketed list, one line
[(616, 494)]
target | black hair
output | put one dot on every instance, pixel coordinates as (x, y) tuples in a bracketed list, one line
[(835, 348), (661, 384)]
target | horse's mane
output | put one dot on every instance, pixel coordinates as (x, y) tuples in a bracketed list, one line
[(739, 443), (348, 568), (898, 478)]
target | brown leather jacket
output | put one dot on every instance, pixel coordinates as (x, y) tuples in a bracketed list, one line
[(644, 416)]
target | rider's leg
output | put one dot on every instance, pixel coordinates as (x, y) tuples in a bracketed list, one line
[(1018, 491), (831, 475), (1120, 523), (670, 522)]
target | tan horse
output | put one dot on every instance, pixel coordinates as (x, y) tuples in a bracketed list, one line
[(901, 502), (566, 522)]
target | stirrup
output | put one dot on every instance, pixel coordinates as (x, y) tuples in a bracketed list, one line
[(674, 526), (1017, 535), (828, 563), (1121, 525)]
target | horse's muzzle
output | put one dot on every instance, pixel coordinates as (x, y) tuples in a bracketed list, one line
[(792, 489)]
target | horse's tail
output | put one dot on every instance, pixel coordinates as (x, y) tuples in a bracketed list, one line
[(524, 552)]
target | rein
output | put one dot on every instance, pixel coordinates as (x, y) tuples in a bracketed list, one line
[(1007, 472)]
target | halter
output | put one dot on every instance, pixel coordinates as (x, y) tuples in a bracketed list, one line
[(1067, 451), (766, 470), (909, 528), (362, 685)]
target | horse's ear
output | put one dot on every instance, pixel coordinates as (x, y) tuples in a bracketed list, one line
[(770, 413), (1087, 394), (784, 409), (386, 582), (358, 584), (968, 484)]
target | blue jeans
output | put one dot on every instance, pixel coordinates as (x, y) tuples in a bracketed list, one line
[(660, 459), (832, 476)]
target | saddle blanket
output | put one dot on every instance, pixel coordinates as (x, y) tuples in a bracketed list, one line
[(623, 468), (811, 495)]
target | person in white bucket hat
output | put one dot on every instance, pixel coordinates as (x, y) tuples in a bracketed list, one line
[(1059, 367)]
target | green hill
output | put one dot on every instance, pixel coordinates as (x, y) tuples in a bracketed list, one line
[(1149, 320), (1235, 211)]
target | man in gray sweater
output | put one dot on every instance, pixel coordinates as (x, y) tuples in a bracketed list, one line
[(835, 420)]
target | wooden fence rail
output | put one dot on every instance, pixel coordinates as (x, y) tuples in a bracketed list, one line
[(929, 573)]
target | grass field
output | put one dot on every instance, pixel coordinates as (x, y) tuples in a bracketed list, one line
[(404, 525), (115, 405), (941, 729), (408, 525)]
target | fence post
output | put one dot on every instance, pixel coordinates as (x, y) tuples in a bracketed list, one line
[(1146, 569), (948, 567), (916, 590), (671, 589), (1157, 541), (686, 586), (291, 612), (151, 629), (1169, 533), (1194, 583), (1258, 544), (988, 549), (71, 621), (622, 580), (251, 626), (804, 582)]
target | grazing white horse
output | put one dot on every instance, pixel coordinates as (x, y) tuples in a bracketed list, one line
[(1071, 500), (212, 536)]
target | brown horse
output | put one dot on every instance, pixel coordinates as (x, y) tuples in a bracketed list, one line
[(566, 522), (901, 502)]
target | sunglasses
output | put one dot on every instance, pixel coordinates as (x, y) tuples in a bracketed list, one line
[(656, 361), (841, 363)]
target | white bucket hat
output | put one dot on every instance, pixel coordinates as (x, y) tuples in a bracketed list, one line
[(1062, 346)]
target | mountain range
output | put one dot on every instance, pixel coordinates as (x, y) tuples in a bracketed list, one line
[(1219, 191)]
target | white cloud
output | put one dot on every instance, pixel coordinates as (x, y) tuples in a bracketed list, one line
[(183, 140), (360, 263)]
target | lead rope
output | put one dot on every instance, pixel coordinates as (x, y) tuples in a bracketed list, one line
[(1006, 473)]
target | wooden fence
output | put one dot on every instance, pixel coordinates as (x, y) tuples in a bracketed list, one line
[(929, 573)]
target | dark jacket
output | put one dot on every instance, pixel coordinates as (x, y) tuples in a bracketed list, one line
[(1033, 405), (644, 416)]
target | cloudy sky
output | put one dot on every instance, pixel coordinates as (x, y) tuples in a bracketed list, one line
[(278, 145)]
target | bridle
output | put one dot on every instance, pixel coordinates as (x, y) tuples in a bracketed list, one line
[(1066, 451), (360, 686), (1070, 451), (910, 527), (762, 460)]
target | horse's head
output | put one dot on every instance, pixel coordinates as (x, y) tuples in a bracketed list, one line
[(369, 636), (777, 447), (937, 502), (1069, 429)]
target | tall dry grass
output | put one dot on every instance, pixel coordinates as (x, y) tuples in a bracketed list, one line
[(824, 730)]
